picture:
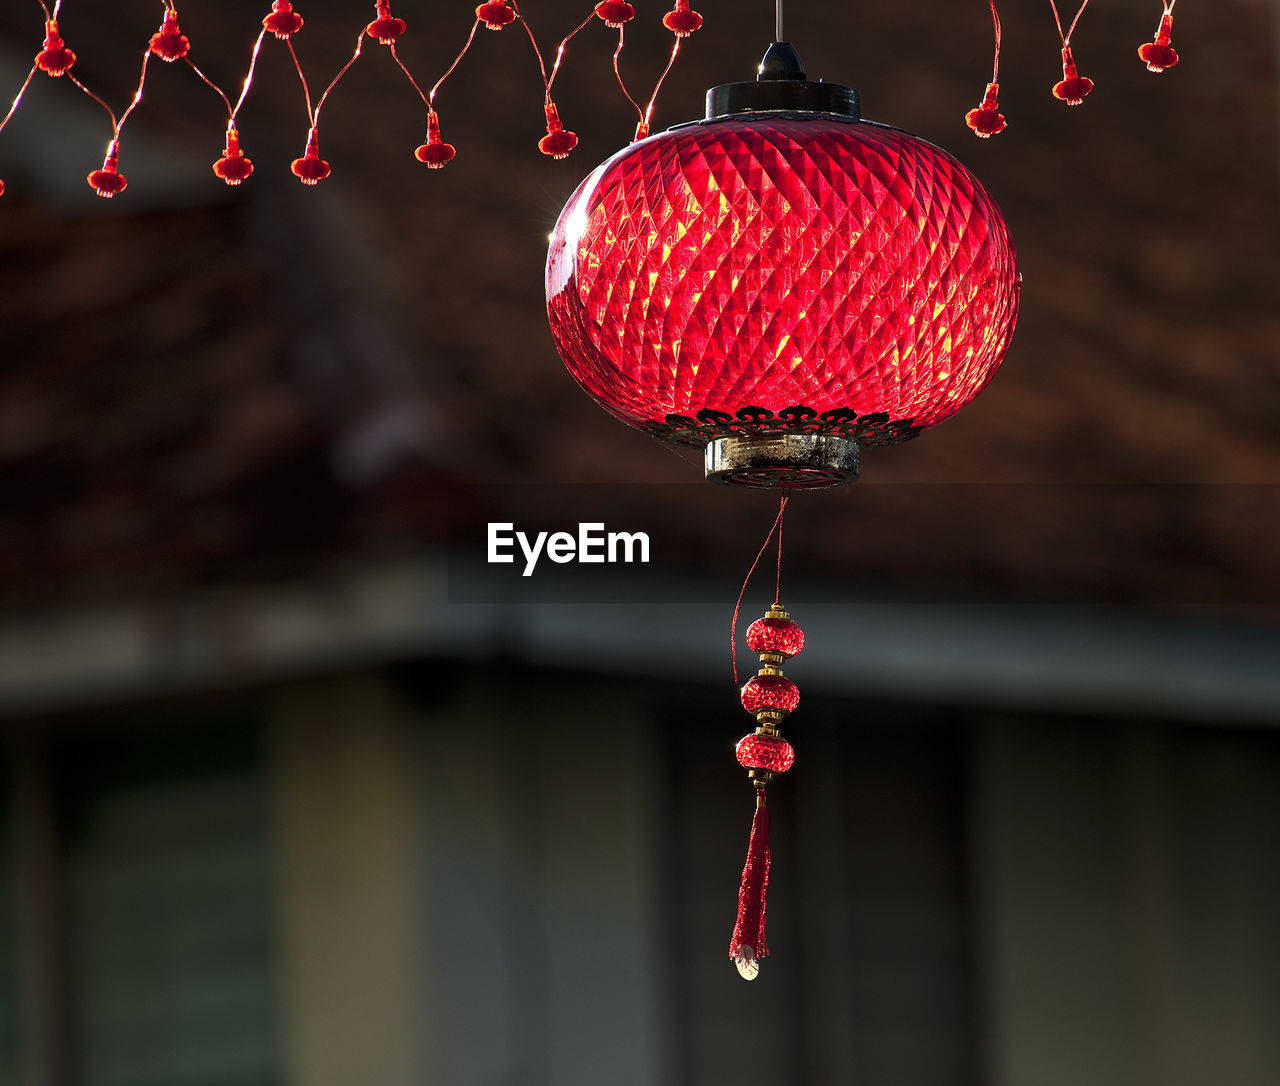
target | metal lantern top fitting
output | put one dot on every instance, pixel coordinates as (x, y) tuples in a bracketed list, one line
[(782, 282)]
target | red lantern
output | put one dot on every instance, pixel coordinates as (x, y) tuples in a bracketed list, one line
[(782, 282)]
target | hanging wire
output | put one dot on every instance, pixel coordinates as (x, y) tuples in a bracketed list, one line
[(1066, 38), (777, 21), (995, 64)]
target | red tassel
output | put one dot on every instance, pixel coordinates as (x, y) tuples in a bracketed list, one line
[(748, 944)]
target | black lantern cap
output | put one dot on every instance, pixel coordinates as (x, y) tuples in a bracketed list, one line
[(781, 87)]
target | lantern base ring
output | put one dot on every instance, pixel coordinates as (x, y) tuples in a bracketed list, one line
[(765, 461)]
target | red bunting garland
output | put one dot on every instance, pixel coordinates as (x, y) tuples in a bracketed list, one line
[(1158, 55), (283, 23), (56, 59)]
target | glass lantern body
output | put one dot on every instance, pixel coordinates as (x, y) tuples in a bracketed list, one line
[(766, 262)]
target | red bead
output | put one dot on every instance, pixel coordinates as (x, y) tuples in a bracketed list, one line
[(987, 119), (107, 181), (1073, 87), (310, 168), (765, 752), (1, 186), (55, 58), (435, 152), (495, 14), (778, 635), (169, 43), (283, 21), (615, 12), (233, 167), (682, 20), (558, 141), (886, 272), (770, 692), (386, 27)]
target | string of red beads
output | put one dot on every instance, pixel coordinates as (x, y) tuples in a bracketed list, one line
[(769, 695)]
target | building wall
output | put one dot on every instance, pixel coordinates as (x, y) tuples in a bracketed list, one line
[(1131, 917), (466, 874)]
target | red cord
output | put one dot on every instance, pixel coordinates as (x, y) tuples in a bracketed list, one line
[(737, 607)]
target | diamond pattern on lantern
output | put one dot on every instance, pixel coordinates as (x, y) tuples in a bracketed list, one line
[(771, 262)]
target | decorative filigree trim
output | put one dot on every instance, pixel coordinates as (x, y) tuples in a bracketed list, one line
[(872, 429)]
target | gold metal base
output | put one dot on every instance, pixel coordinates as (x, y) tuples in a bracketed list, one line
[(769, 461)]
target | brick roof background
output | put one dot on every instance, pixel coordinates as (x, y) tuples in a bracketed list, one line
[(198, 382)]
